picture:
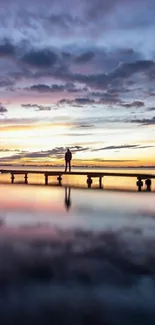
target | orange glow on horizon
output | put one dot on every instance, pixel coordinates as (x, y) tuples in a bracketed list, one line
[(80, 162), (20, 140)]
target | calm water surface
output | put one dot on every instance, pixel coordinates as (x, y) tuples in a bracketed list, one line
[(71, 256)]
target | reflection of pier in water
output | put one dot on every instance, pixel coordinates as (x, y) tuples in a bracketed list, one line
[(89, 177)]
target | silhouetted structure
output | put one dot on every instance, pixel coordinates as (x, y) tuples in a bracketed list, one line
[(67, 197), (89, 181), (90, 175), (68, 158), (148, 185), (139, 184)]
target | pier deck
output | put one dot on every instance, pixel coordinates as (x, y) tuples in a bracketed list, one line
[(90, 175)]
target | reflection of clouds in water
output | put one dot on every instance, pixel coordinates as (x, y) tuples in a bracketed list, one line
[(103, 275), (79, 277), (51, 200), (82, 215)]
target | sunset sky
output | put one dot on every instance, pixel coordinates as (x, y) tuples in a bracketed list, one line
[(78, 74)]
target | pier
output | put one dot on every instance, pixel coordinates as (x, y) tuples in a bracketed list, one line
[(141, 179)]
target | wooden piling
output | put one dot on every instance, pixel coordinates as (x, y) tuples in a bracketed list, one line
[(139, 184), (59, 178), (46, 179), (12, 178), (100, 182), (26, 178), (89, 181), (148, 185)]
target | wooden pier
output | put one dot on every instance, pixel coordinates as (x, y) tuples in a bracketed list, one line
[(89, 176)]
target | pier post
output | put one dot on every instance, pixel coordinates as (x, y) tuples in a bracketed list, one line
[(148, 185), (100, 182), (46, 179), (12, 178), (26, 179), (139, 184), (59, 179), (89, 181)]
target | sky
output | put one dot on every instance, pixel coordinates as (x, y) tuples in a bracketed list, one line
[(81, 75)]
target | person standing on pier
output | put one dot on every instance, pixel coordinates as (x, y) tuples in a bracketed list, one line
[(68, 158)]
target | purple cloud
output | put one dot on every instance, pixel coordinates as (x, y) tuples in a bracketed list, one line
[(3, 109)]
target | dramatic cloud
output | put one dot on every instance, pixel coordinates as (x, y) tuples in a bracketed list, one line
[(91, 65)]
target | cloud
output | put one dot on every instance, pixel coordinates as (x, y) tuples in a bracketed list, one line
[(151, 109), (117, 77), (77, 101), (84, 101), (54, 51), (110, 97), (98, 9), (7, 49), (130, 146), (85, 126), (125, 70), (116, 147), (146, 147), (144, 122), (65, 21), (57, 63), (57, 153), (3, 109), (106, 99), (151, 94), (44, 58), (40, 88), (9, 150), (136, 103), (100, 160), (85, 57), (56, 88), (6, 82), (21, 121), (38, 107)]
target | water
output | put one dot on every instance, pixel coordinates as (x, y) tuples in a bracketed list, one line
[(111, 183), (76, 256)]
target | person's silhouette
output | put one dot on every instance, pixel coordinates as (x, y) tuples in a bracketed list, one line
[(68, 158), (67, 198)]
